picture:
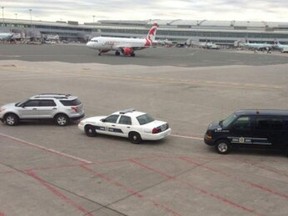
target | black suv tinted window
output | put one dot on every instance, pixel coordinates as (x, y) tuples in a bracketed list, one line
[(268, 123), (75, 102), (242, 123)]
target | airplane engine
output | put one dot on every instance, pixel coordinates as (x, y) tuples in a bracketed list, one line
[(128, 51)]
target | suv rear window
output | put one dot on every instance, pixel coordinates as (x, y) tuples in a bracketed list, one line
[(75, 102)]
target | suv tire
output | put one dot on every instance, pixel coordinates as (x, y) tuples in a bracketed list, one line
[(11, 119), (223, 147), (61, 119)]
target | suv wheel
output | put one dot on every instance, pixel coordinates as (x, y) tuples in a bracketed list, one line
[(90, 131), (11, 119), (135, 137), (61, 120), (223, 147)]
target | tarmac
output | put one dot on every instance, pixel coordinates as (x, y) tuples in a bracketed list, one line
[(51, 170)]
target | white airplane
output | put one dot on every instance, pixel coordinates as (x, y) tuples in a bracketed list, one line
[(5, 36), (207, 45), (280, 46), (126, 46), (256, 46)]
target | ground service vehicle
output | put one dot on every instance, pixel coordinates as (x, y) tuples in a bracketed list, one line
[(250, 128), (62, 108), (134, 125)]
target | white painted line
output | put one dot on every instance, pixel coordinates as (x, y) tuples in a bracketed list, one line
[(187, 137), (47, 149)]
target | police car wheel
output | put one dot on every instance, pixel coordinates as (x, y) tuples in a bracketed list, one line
[(223, 147), (90, 131), (135, 138)]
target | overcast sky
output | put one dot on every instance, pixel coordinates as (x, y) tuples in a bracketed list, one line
[(89, 10)]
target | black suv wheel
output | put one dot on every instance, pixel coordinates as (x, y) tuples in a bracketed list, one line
[(223, 147)]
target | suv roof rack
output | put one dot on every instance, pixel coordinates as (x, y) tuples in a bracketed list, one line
[(52, 95), (126, 110)]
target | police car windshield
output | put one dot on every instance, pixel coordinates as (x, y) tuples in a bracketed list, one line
[(226, 122)]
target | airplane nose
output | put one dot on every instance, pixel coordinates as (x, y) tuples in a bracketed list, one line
[(89, 44)]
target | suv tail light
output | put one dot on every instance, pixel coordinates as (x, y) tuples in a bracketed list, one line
[(75, 109)]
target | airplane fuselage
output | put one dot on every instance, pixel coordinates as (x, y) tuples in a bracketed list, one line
[(258, 45), (110, 43), (6, 36)]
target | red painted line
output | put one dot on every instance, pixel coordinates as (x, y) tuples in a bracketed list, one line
[(266, 168), (220, 198), (129, 190), (252, 184), (106, 178), (58, 193), (2, 214), (270, 169), (46, 149), (151, 169)]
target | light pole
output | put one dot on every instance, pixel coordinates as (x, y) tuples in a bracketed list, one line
[(2, 16), (93, 29), (30, 11)]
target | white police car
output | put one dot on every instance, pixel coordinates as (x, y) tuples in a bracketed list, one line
[(134, 125)]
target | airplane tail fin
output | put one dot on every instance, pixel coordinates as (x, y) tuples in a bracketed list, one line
[(152, 33)]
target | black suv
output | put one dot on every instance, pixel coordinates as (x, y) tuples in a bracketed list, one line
[(250, 128)]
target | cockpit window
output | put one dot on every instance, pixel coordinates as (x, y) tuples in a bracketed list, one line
[(95, 41)]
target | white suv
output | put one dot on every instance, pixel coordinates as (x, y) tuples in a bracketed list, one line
[(62, 108), (134, 125)]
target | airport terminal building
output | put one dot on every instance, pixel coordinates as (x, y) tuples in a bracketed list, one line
[(223, 33)]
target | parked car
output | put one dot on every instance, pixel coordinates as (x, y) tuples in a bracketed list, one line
[(250, 128), (134, 125), (62, 108)]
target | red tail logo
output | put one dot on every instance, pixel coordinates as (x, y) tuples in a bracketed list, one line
[(151, 35)]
